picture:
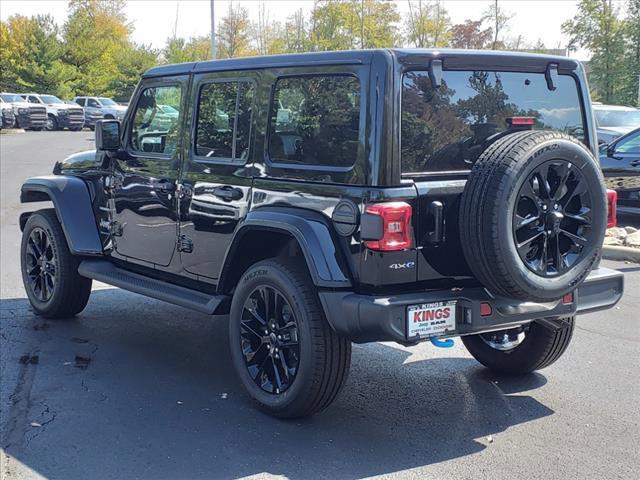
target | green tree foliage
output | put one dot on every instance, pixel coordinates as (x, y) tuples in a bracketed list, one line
[(598, 28), (630, 87), (234, 33), (30, 55), (428, 24), (296, 33), (91, 54), (180, 50), (94, 33), (132, 61), (353, 24)]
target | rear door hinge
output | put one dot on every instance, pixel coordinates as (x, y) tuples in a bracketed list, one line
[(185, 244)]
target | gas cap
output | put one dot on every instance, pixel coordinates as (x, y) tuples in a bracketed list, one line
[(345, 217)]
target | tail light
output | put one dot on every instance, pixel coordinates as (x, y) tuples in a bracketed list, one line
[(612, 205), (521, 121), (395, 229)]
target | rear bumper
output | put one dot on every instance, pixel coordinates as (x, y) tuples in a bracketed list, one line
[(368, 318)]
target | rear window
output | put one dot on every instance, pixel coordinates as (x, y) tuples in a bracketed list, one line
[(443, 129)]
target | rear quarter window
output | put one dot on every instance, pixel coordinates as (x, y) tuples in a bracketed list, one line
[(315, 121), (445, 128)]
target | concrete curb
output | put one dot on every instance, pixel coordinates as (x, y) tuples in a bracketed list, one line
[(11, 131), (615, 252)]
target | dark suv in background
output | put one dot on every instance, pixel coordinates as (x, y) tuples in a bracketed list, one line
[(329, 198)]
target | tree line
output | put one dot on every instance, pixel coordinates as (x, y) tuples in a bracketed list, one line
[(92, 53)]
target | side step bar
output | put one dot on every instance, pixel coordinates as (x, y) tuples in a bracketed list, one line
[(105, 271)]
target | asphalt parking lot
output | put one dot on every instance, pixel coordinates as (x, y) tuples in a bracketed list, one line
[(135, 388)]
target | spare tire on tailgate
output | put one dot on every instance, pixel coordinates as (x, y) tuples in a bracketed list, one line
[(533, 215)]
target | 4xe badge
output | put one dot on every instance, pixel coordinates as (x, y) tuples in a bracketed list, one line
[(431, 319), (397, 266)]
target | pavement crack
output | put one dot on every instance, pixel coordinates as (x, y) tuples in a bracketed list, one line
[(20, 399), (39, 430)]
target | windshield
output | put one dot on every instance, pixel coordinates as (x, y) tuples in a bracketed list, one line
[(106, 101), (618, 118), (50, 99), (12, 97), (445, 128)]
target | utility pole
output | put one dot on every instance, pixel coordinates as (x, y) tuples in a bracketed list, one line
[(213, 31)]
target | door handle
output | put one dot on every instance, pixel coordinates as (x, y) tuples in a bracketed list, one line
[(165, 186), (228, 193)]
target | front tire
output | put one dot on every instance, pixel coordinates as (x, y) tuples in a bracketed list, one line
[(52, 123), (287, 356), (49, 270), (522, 350)]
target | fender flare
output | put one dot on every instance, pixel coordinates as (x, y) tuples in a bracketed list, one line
[(310, 229), (72, 202)]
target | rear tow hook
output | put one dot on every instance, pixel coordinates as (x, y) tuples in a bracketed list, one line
[(446, 343)]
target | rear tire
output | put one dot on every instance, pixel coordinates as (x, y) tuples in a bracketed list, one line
[(49, 270), (541, 347), (316, 359)]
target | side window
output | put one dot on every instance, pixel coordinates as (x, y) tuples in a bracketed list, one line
[(93, 103), (315, 120), (80, 101), (33, 99), (629, 145), (155, 127), (224, 120)]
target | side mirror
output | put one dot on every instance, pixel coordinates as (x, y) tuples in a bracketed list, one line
[(108, 135), (611, 150)]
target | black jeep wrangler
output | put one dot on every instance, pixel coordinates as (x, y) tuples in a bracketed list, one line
[(328, 198)]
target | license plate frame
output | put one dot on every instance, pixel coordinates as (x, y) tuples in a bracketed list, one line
[(440, 321)]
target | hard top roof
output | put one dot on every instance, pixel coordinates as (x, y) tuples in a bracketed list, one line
[(454, 57)]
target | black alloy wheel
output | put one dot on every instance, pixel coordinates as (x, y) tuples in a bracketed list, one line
[(552, 220), (49, 270), (269, 340), (287, 356), (40, 264)]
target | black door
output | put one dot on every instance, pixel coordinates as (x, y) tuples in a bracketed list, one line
[(217, 175), (144, 183)]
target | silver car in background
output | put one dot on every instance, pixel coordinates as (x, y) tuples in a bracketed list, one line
[(98, 108), (613, 121)]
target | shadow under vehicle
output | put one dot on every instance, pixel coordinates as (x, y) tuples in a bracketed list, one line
[(323, 199)]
